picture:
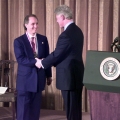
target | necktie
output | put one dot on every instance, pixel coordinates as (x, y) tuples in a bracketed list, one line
[(33, 44)]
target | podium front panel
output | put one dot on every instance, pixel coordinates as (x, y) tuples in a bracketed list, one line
[(93, 80)]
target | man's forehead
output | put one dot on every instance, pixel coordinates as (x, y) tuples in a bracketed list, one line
[(58, 15), (32, 18)]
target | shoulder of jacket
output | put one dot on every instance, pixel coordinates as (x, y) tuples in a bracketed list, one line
[(41, 38), (39, 35), (20, 37)]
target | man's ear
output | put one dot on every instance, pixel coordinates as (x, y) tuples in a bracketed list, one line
[(26, 25), (63, 17)]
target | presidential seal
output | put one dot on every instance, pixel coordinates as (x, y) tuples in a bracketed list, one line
[(110, 68)]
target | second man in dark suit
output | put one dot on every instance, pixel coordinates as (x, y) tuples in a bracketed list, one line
[(67, 57), (30, 80)]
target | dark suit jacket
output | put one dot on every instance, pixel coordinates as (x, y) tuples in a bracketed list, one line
[(67, 57), (29, 77)]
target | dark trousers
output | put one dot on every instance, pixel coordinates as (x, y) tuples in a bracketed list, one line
[(28, 105), (73, 104)]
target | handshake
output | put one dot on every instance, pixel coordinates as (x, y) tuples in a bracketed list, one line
[(38, 63)]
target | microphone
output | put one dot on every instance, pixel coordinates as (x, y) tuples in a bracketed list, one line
[(116, 45)]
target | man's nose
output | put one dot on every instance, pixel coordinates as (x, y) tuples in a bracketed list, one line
[(36, 25)]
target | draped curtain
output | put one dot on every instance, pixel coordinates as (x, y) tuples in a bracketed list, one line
[(98, 19)]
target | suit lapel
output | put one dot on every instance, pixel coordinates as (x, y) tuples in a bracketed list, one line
[(38, 42), (27, 45), (41, 46)]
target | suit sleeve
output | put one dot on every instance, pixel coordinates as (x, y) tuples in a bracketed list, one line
[(59, 54), (21, 55)]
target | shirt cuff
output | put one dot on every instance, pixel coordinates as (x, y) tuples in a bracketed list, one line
[(41, 64)]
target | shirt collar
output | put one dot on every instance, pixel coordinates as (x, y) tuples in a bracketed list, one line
[(31, 35), (65, 27)]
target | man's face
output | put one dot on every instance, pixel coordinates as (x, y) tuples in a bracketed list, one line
[(60, 20), (32, 25)]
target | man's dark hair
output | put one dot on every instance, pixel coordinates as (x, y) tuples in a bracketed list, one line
[(26, 20)]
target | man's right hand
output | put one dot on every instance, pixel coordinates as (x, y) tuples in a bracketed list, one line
[(38, 63)]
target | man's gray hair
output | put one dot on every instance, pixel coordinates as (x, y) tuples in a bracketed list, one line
[(64, 10)]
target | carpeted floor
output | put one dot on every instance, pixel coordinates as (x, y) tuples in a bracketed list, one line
[(5, 114)]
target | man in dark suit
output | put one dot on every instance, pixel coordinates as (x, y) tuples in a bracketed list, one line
[(67, 57), (30, 80)]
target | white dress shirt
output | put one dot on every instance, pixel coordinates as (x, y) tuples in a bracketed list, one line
[(35, 41), (67, 25)]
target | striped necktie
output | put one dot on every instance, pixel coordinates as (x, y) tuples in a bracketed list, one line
[(33, 43)]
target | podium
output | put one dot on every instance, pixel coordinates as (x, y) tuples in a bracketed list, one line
[(104, 94)]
